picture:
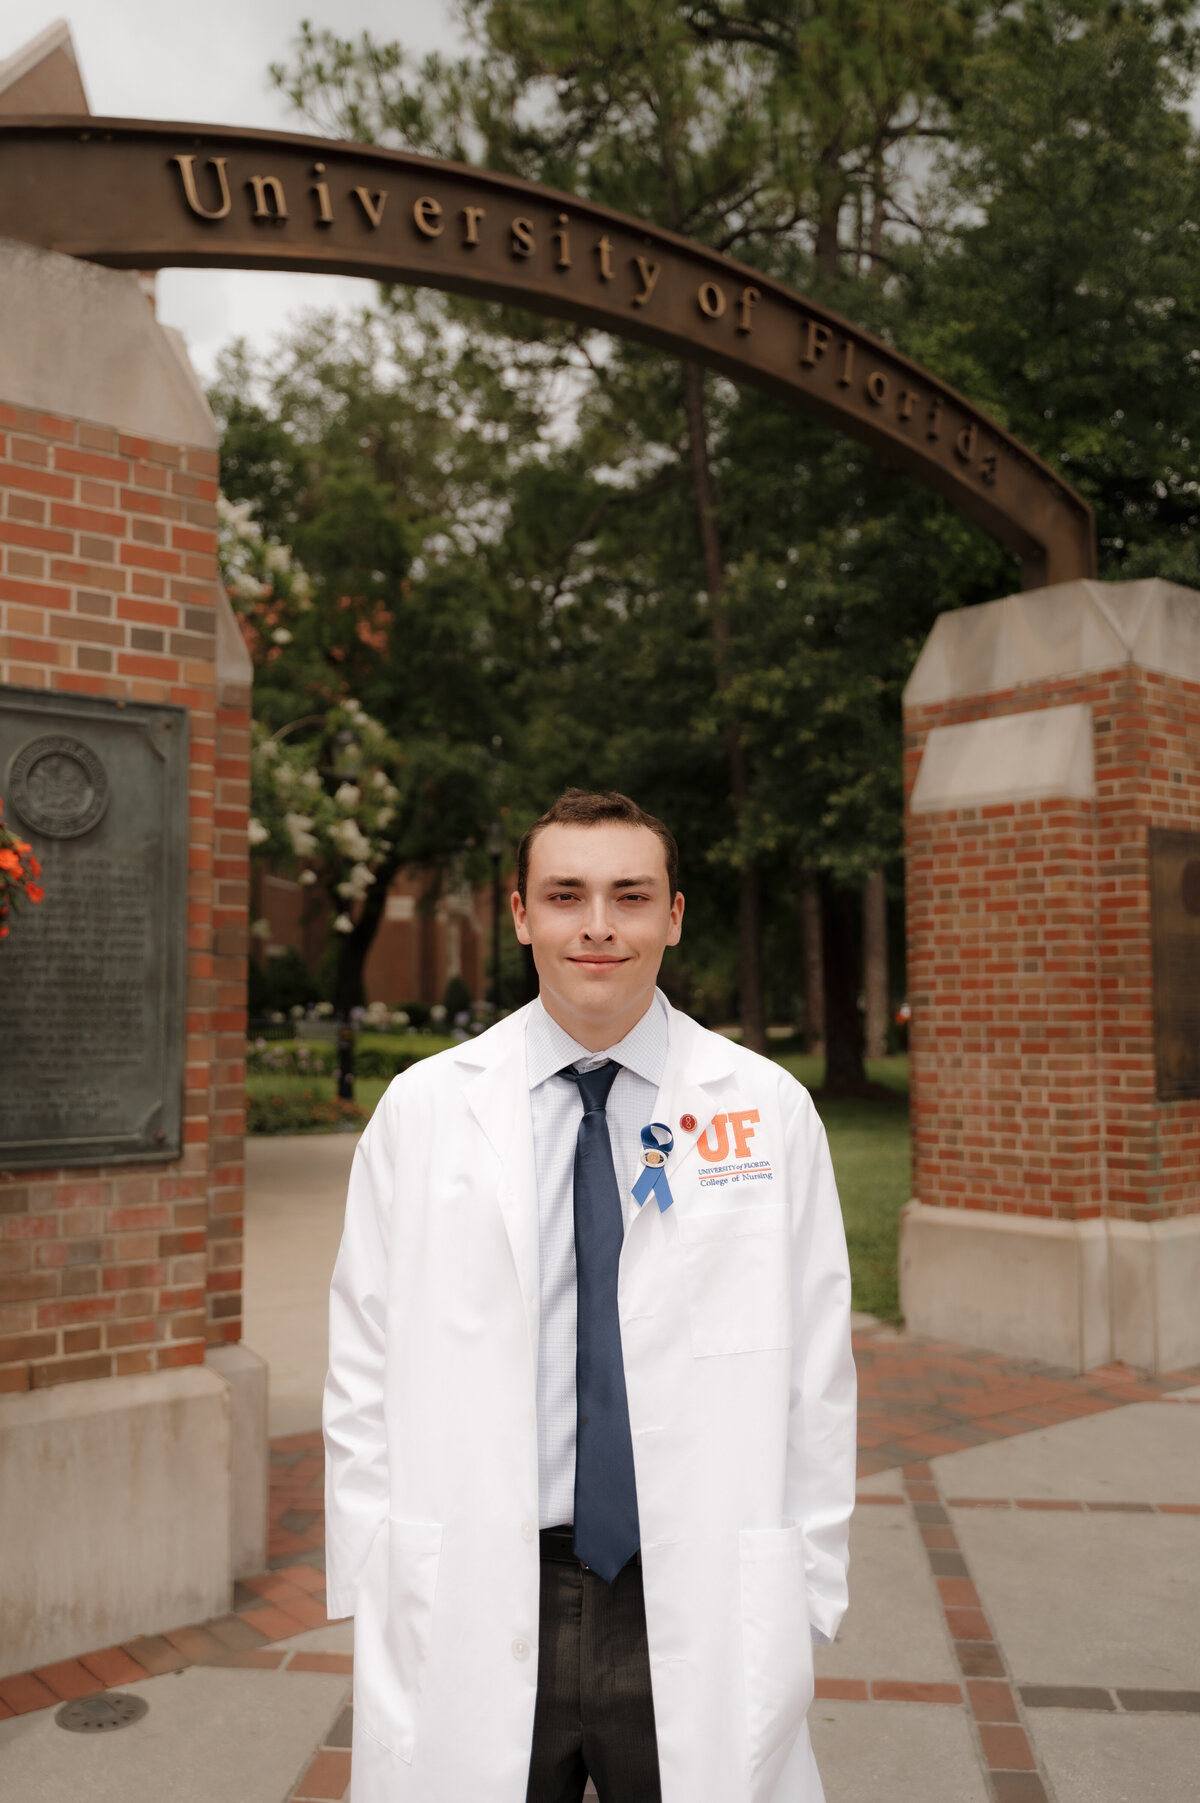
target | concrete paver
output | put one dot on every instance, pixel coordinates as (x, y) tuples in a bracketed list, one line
[(894, 1627), (338, 1637), (1089, 1599), (211, 1736), (1119, 1758), (882, 1483), (1147, 1452), (894, 1752), (295, 1202)]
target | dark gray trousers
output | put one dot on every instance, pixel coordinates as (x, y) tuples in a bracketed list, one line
[(595, 1713)]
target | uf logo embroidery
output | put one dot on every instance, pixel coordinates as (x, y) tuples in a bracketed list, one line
[(742, 1122)]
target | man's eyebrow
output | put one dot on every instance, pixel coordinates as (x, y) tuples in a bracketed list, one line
[(579, 882)]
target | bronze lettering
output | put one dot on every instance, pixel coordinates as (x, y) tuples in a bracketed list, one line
[(746, 302), (106, 191), (372, 205), (188, 171), (522, 241), (649, 273), (264, 185), (816, 342), (321, 190), (427, 217), (711, 299)]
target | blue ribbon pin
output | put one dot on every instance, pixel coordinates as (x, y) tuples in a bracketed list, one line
[(657, 1141)]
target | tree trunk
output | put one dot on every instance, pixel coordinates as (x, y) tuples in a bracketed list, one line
[(814, 972), (348, 988), (875, 964), (831, 193), (751, 986), (845, 1073)]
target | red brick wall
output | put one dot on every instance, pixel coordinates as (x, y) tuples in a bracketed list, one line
[(409, 960), (1030, 971), (108, 580)]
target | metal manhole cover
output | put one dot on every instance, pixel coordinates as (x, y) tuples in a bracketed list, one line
[(100, 1715)]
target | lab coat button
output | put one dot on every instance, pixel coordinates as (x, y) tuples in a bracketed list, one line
[(527, 1530), (520, 1649)]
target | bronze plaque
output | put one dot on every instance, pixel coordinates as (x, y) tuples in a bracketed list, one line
[(1175, 931), (92, 978)]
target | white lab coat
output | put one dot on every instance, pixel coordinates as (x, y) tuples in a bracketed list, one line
[(735, 1327)]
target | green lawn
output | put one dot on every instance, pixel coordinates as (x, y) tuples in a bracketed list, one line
[(868, 1141), (367, 1090)]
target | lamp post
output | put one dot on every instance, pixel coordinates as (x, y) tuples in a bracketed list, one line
[(496, 847)]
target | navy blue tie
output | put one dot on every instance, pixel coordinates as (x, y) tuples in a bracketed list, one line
[(606, 1513)]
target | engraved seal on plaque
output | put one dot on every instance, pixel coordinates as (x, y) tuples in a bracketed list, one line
[(58, 786)]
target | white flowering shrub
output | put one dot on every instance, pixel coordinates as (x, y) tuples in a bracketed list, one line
[(267, 588), (329, 827)]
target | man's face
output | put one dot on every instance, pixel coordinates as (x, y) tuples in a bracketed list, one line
[(599, 917)]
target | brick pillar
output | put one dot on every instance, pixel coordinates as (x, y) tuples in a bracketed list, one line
[(115, 1279), (1057, 1193)]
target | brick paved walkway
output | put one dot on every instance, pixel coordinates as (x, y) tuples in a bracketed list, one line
[(918, 1401), (918, 1398)]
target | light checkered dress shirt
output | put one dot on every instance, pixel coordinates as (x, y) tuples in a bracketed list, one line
[(557, 1110)]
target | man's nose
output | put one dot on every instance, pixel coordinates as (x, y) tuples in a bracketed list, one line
[(596, 925)]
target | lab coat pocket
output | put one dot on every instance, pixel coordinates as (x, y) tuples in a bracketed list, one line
[(393, 1626), (776, 1648), (735, 1266)]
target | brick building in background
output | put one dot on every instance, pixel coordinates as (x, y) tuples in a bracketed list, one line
[(120, 1286), (1051, 738), (416, 949)]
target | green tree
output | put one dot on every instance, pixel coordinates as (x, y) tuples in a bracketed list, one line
[(357, 498), (721, 122), (1062, 288)]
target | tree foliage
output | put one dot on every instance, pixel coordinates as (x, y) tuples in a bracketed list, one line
[(500, 516)]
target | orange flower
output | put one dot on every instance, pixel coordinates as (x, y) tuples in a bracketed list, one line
[(3, 932), (10, 861), (35, 893)]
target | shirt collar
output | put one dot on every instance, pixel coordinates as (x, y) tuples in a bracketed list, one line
[(549, 1047)]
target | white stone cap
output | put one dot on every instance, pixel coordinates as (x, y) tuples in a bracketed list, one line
[(1066, 630), (1032, 756), (82, 341), (57, 88), (106, 1395)]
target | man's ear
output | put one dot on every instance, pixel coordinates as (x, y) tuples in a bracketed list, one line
[(676, 928), (520, 918)]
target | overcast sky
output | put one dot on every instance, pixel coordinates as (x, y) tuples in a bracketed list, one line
[(207, 63)]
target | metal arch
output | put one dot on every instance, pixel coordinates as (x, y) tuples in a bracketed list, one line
[(137, 194)]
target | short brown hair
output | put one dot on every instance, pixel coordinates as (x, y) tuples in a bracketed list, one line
[(584, 807)]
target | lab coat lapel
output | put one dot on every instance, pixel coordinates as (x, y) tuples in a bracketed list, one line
[(698, 1070), (497, 1096)]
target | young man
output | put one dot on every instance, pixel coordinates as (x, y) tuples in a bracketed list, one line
[(590, 1411)]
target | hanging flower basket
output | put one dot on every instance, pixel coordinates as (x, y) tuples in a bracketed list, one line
[(19, 871)]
